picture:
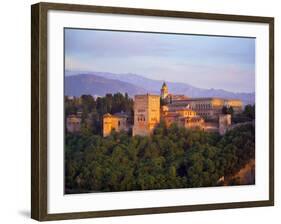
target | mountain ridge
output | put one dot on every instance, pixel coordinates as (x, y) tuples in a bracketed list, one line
[(136, 84), (78, 85)]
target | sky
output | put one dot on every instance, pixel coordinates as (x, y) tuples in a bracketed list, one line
[(203, 61)]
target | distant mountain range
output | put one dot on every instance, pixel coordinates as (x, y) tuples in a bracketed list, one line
[(100, 83)]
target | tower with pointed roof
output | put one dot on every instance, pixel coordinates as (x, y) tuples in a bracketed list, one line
[(164, 91)]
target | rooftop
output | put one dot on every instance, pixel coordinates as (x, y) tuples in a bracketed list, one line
[(148, 94), (205, 98), (164, 85)]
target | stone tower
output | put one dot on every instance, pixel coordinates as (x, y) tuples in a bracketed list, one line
[(107, 124), (164, 91), (146, 114), (224, 123)]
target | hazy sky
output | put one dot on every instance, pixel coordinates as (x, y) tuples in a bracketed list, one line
[(203, 61)]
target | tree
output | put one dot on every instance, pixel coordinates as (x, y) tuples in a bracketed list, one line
[(249, 111), (227, 110)]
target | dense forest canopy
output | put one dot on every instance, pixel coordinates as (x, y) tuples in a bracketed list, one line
[(170, 158)]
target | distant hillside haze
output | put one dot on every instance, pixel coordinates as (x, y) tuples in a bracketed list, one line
[(100, 83), (77, 85)]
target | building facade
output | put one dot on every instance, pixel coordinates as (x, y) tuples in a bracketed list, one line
[(117, 122), (183, 117), (224, 123), (146, 114), (209, 108), (73, 123)]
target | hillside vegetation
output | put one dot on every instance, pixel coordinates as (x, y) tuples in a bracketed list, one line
[(170, 158)]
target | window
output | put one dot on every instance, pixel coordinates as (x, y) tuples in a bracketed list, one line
[(141, 118)]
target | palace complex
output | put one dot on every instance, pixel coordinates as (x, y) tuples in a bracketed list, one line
[(149, 109), (206, 107), (193, 113)]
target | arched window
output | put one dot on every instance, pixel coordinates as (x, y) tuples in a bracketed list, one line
[(141, 118)]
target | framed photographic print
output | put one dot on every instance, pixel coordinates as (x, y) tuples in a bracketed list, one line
[(140, 111)]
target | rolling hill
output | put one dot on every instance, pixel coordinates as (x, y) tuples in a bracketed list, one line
[(78, 85)]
